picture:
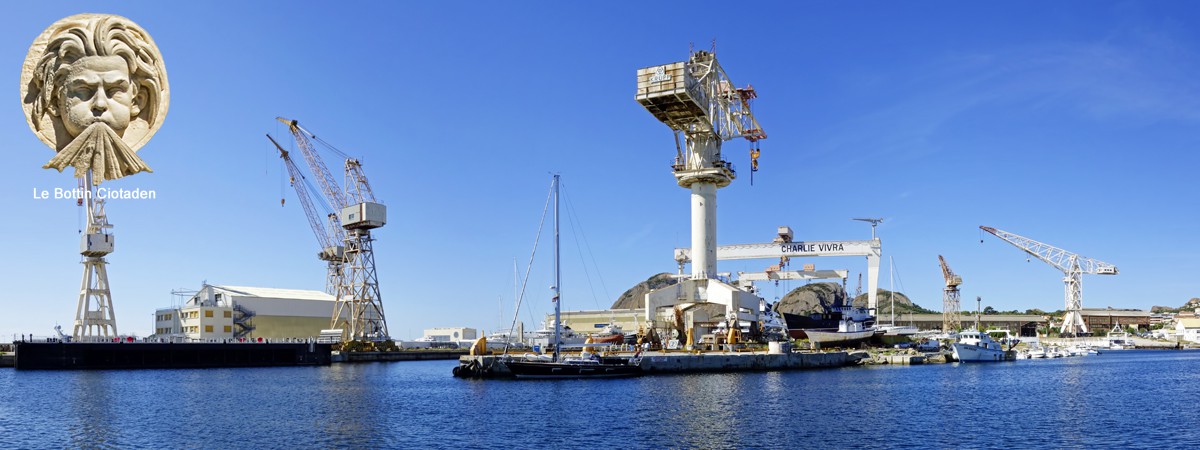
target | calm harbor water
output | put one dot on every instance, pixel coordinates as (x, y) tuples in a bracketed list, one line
[(1120, 399)]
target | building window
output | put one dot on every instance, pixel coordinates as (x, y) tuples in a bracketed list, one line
[(208, 328), (228, 314), (208, 313), (228, 328)]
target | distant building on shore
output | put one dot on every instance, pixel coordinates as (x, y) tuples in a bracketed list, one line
[(450, 334), (1098, 319), (1188, 329), (229, 312)]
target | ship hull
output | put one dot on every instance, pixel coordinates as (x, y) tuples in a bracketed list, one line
[(829, 339), (553, 370)]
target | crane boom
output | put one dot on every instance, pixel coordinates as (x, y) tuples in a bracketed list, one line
[(316, 165), (952, 280), (1071, 264), (297, 181), (1054, 256)]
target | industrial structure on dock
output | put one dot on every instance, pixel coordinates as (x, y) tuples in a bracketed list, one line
[(697, 99), (1073, 267), (233, 312), (347, 246)]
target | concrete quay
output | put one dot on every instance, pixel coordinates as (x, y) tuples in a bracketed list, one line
[(404, 355), (653, 363), (737, 362)]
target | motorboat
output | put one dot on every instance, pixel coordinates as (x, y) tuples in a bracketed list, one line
[(1118, 339), (975, 346)]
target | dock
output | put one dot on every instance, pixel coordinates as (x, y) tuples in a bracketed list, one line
[(158, 355), (403, 355), (654, 363)]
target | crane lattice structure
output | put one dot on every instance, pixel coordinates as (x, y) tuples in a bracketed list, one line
[(95, 319), (359, 303), (1073, 267), (950, 298), (696, 98)]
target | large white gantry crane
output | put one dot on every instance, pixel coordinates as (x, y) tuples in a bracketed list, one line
[(697, 99), (1072, 265), (352, 264)]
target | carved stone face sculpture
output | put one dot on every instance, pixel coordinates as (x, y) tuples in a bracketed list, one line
[(95, 90)]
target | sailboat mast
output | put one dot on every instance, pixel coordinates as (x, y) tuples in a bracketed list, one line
[(892, 286), (557, 275)]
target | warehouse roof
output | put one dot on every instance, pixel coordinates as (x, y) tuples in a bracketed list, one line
[(290, 294), (1114, 312)]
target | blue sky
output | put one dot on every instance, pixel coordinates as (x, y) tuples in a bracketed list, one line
[(1073, 123)]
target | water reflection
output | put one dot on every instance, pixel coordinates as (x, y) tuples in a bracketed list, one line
[(92, 414)]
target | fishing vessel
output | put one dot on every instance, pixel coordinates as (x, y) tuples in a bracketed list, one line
[(975, 346), (588, 364)]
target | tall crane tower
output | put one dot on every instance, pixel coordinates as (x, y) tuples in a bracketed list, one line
[(359, 303), (1073, 267), (696, 98), (950, 298)]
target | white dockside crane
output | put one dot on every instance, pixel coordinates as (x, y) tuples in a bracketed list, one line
[(95, 319), (1072, 265), (359, 303), (696, 98)]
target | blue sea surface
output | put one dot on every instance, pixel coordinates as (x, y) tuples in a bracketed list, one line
[(1120, 399)]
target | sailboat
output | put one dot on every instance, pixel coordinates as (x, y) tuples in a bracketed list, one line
[(587, 364)]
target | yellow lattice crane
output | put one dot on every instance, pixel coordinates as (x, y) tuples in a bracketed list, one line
[(950, 297)]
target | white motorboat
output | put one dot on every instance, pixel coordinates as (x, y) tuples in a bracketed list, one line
[(974, 346), (1118, 339), (566, 336)]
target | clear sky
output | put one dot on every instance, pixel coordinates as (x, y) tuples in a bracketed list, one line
[(1073, 123)]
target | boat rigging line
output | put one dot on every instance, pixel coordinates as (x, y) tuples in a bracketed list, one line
[(573, 219), (529, 267)]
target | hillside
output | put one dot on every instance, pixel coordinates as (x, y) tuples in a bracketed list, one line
[(634, 296)]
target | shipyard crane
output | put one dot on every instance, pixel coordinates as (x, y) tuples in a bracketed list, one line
[(332, 252), (696, 98), (1073, 267), (950, 298), (359, 304)]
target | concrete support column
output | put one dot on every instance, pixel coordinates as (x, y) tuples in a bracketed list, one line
[(704, 230), (872, 283)]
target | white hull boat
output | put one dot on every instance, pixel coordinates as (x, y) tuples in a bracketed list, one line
[(976, 346)]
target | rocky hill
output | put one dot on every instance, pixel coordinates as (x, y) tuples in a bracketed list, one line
[(817, 297), (1191, 305), (812, 298), (804, 300), (634, 297)]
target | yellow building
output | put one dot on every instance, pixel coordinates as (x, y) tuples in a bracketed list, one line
[(228, 312)]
